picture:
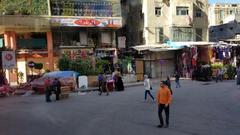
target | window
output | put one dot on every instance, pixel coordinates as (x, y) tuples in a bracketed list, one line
[(199, 35), (182, 34), (158, 11), (221, 14), (182, 10), (198, 13), (231, 12), (159, 35)]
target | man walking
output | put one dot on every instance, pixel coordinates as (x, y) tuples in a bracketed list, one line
[(148, 87), (177, 80), (164, 98)]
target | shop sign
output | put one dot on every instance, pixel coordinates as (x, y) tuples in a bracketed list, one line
[(8, 59), (122, 42), (87, 22)]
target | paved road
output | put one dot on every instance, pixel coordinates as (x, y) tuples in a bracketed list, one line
[(198, 108)]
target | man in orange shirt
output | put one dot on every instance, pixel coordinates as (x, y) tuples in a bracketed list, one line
[(164, 98)]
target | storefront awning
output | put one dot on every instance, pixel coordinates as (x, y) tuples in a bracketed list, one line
[(156, 47)]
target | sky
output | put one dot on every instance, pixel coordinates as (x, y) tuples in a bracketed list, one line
[(223, 1)]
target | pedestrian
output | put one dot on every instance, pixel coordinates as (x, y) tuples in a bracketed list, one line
[(104, 87), (119, 84), (217, 74), (168, 83), (164, 98), (221, 75), (148, 87), (57, 88), (177, 80), (238, 76), (100, 78), (47, 84)]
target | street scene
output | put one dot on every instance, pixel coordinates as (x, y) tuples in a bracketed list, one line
[(198, 108), (111, 67)]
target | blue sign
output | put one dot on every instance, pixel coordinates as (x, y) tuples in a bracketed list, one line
[(173, 45), (1, 43)]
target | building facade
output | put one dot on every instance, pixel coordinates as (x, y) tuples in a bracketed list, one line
[(222, 13), (77, 28), (171, 20)]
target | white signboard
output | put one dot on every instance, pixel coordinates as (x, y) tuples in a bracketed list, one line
[(121, 42), (8, 60)]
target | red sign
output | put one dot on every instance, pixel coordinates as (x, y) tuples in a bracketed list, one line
[(87, 22)]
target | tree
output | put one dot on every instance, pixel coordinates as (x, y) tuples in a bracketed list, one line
[(24, 7), (64, 63)]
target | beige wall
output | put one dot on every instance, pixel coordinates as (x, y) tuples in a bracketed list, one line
[(168, 18)]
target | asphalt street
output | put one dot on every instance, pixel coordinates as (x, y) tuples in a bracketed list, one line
[(198, 108)]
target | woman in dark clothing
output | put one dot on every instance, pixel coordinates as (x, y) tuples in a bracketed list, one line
[(168, 83), (119, 84)]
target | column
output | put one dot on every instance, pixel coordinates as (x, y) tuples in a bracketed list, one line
[(50, 51), (13, 40), (7, 42)]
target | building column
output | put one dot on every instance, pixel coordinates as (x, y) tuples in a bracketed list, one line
[(13, 42), (50, 51), (7, 42)]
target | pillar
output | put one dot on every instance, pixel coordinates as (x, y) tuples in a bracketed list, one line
[(13, 40), (7, 42), (50, 51)]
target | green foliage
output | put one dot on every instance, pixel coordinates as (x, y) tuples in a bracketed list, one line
[(217, 65), (231, 71), (126, 62), (38, 66), (20, 76), (24, 7), (64, 63)]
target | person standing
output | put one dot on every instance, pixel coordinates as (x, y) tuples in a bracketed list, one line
[(57, 87), (48, 92), (104, 87), (148, 87), (100, 78), (164, 98), (177, 80), (218, 74)]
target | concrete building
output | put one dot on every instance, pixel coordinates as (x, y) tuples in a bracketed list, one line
[(77, 28), (222, 13), (171, 20)]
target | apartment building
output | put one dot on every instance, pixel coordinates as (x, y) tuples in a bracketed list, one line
[(172, 20), (77, 28), (223, 13)]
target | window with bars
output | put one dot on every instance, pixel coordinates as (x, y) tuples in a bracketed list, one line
[(198, 13), (159, 35), (182, 10), (182, 34), (199, 35)]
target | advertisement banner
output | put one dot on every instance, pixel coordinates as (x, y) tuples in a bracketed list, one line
[(87, 22), (8, 60)]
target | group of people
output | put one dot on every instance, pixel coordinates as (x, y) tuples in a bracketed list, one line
[(52, 87), (103, 83), (164, 96)]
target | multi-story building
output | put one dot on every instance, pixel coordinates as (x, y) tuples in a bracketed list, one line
[(77, 28), (222, 13), (171, 20)]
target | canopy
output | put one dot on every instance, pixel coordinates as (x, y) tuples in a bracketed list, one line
[(61, 74)]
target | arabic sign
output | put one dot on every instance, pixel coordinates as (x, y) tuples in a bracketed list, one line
[(1, 42), (86, 22), (8, 60)]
